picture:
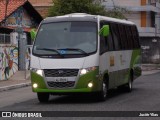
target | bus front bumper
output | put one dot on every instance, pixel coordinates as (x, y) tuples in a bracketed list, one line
[(82, 85), (64, 91)]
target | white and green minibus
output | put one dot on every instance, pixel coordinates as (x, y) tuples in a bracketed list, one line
[(83, 53)]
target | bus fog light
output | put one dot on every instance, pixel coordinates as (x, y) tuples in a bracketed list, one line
[(90, 85), (35, 85)]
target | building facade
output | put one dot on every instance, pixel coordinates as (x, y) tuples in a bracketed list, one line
[(146, 15), (17, 18)]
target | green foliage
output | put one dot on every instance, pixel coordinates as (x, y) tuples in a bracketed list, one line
[(62, 7), (117, 12)]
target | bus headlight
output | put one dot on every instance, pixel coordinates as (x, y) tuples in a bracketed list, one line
[(83, 71), (38, 71), (86, 70)]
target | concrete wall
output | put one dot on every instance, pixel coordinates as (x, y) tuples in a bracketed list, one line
[(123, 3), (134, 17), (150, 50), (8, 61), (148, 19), (128, 2), (20, 17)]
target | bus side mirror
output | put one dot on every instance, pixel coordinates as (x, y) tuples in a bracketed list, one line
[(104, 31), (33, 34)]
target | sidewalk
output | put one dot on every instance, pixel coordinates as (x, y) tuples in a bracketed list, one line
[(16, 81), (19, 79), (148, 69)]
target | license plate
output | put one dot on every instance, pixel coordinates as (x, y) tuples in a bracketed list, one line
[(60, 80)]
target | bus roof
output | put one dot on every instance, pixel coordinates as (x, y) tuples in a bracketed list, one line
[(83, 17), (116, 20)]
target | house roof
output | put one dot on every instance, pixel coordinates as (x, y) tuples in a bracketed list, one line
[(39, 3), (13, 5)]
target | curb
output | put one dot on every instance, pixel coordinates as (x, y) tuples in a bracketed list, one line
[(150, 72), (10, 87)]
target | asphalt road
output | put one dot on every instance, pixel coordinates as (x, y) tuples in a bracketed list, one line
[(144, 97)]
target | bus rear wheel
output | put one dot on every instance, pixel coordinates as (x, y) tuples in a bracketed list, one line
[(43, 97), (129, 84)]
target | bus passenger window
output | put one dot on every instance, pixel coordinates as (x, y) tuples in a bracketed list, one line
[(116, 36), (109, 40), (129, 37), (123, 37), (135, 37), (103, 45)]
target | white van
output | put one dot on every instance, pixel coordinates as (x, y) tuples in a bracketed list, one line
[(82, 53)]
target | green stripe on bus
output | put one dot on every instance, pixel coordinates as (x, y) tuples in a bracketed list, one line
[(135, 57)]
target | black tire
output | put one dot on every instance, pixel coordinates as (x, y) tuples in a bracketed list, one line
[(43, 97), (102, 95), (129, 85)]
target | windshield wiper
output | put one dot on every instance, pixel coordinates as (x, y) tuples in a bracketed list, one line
[(49, 49), (75, 49)]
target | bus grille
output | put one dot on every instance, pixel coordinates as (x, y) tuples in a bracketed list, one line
[(61, 84), (60, 72)]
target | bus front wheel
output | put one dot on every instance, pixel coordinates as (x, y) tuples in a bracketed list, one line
[(102, 95), (43, 97)]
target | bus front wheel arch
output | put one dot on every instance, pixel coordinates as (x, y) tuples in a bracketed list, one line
[(102, 95)]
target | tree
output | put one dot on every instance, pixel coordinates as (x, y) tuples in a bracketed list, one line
[(62, 7), (117, 12)]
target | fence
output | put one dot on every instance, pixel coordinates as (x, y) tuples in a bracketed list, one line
[(5, 39)]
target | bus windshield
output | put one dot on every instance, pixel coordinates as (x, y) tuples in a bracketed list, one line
[(66, 38)]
